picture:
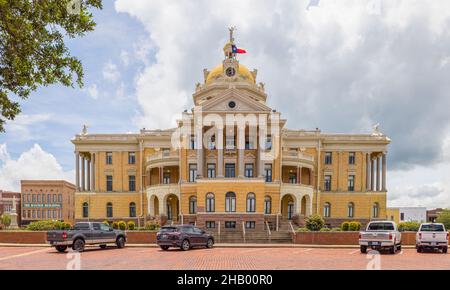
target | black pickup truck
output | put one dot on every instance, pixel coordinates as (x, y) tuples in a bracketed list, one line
[(86, 233)]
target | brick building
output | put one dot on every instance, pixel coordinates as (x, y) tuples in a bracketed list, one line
[(6, 203), (47, 200)]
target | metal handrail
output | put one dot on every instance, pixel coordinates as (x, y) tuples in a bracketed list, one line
[(292, 227), (269, 232), (243, 230), (219, 232)]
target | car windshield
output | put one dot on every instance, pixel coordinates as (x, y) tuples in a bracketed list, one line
[(432, 228), (380, 227), (168, 229)]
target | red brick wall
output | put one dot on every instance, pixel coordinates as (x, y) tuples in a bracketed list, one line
[(341, 238), (7, 237)]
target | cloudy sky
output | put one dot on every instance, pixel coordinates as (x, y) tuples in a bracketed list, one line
[(341, 66)]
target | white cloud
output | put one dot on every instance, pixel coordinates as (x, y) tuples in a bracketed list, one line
[(32, 164), (21, 128), (110, 72), (124, 57), (93, 92)]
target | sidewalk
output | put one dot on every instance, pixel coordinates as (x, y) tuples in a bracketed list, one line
[(222, 246)]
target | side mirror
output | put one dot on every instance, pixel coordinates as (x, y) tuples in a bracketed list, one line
[(203, 232)]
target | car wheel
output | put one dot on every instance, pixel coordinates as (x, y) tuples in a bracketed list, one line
[(419, 250), (444, 250), (78, 245), (120, 242), (210, 243), (103, 246), (164, 248), (185, 245), (392, 250), (363, 249), (399, 247), (61, 249)]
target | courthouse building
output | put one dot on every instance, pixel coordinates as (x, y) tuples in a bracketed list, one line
[(231, 162)]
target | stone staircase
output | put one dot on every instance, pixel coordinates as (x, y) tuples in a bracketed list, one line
[(252, 237)]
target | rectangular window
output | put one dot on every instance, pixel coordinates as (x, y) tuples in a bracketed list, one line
[(54, 198), (132, 183), (268, 172), (34, 214), (230, 170), (60, 198), (230, 225), (269, 143), (192, 172), (34, 197), (38, 198), (211, 170), (230, 141), (327, 182), (249, 170), (402, 216), (292, 177), (328, 158), (109, 183), (210, 225), (351, 158), (28, 198), (49, 198), (38, 214), (166, 152), (351, 183), (166, 178), (250, 225), (44, 214), (109, 157), (192, 142), (249, 143), (131, 158)]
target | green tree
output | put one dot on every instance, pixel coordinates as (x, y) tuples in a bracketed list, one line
[(5, 220), (314, 223), (32, 48), (444, 217)]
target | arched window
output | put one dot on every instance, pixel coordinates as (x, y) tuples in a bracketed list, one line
[(132, 209), (210, 202), (327, 210), (251, 202), (85, 210), (375, 210), (192, 205), (109, 210), (267, 205), (230, 202), (351, 209)]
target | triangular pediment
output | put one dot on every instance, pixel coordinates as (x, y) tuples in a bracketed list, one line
[(243, 103)]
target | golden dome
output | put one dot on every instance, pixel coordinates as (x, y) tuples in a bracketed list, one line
[(243, 72)]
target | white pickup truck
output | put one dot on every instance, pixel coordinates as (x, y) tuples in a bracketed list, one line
[(432, 236), (380, 235)]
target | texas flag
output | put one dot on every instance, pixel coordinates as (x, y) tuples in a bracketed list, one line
[(238, 50)]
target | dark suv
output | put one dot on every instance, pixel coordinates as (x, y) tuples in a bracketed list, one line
[(184, 237)]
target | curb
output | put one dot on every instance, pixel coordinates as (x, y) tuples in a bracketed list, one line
[(218, 246)]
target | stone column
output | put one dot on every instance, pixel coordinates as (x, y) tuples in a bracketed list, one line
[(261, 149), (311, 177), (77, 170), (219, 140), (378, 173), (299, 175), (367, 172), (372, 174), (161, 169), (384, 172), (88, 175), (241, 150), (83, 175), (200, 155), (93, 171)]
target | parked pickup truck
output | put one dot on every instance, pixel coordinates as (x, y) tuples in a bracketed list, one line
[(86, 233), (432, 236), (380, 235)]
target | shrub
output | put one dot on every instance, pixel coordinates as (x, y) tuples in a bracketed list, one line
[(151, 226), (408, 226), (325, 230), (115, 225), (336, 230), (444, 217), (122, 225), (302, 230), (106, 223), (47, 225), (131, 226), (5, 220), (345, 226), (314, 222), (354, 226)]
